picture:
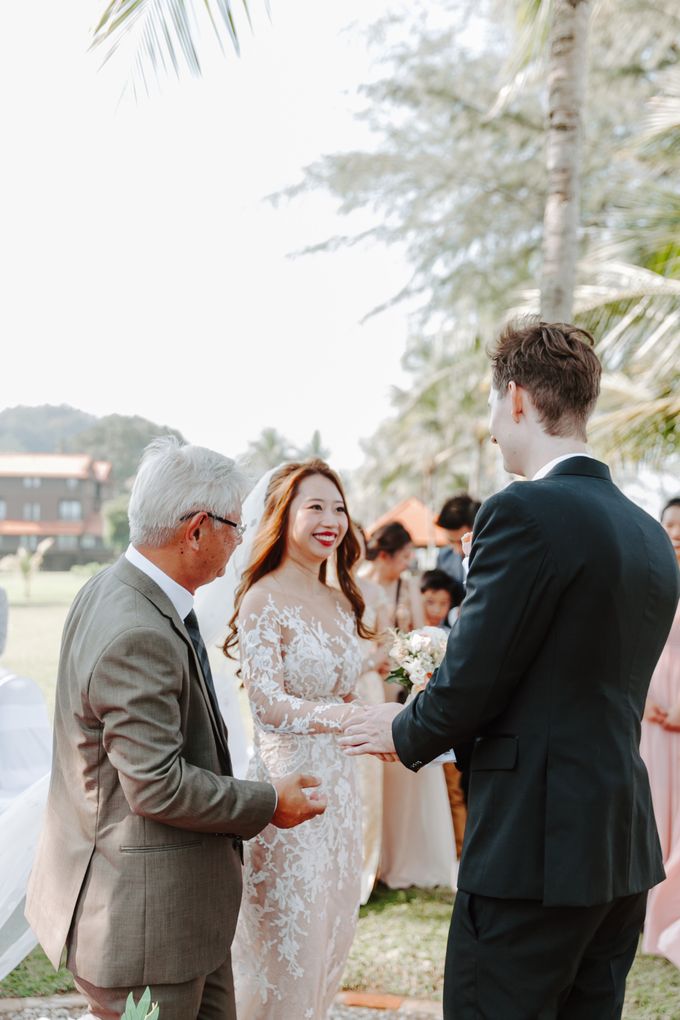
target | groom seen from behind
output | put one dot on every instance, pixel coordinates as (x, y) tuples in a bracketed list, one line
[(571, 594), (138, 872)]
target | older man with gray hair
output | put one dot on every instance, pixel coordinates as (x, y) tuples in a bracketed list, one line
[(138, 873)]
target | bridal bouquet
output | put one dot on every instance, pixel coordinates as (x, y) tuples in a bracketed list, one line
[(415, 656)]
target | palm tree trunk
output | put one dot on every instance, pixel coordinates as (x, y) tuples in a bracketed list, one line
[(566, 85)]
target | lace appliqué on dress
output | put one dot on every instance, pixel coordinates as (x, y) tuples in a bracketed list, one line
[(302, 885)]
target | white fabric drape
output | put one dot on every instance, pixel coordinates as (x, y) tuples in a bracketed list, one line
[(25, 755)]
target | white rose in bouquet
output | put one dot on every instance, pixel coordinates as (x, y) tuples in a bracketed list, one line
[(415, 656)]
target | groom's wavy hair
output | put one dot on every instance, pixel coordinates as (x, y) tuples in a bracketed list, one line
[(556, 364), (270, 543)]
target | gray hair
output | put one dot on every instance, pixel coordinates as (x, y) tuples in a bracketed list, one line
[(175, 479)]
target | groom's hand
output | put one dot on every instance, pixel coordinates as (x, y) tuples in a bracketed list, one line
[(295, 805), (371, 732)]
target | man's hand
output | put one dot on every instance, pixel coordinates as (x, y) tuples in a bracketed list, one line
[(371, 732), (295, 805)]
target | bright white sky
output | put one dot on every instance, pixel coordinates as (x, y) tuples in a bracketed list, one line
[(142, 272)]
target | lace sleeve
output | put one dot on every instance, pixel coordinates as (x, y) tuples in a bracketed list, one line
[(260, 641)]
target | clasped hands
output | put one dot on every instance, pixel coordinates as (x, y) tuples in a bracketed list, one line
[(369, 731)]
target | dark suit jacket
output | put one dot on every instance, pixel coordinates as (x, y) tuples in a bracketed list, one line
[(570, 597), (139, 857)]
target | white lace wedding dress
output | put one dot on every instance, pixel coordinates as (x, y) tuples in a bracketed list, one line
[(301, 886)]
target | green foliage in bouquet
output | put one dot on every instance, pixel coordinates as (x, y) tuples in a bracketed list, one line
[(400, 676), (143, 1010)]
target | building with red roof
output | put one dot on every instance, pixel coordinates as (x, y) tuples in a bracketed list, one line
[(54, 495)]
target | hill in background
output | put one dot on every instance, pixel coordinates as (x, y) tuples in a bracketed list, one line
[(63, 429)]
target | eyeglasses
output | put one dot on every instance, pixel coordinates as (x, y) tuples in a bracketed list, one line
[(239, 528)]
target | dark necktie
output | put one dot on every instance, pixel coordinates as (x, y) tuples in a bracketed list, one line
[(191, 624)]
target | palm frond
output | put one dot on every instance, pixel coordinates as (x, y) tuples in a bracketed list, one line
[(164, 35), (663, 110)]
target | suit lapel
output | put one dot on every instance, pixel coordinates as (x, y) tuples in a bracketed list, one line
[(129, 574)]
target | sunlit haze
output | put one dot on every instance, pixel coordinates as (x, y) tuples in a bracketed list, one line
[(143, 270)]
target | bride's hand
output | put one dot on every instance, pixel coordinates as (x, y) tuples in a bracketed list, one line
[(369, 731)]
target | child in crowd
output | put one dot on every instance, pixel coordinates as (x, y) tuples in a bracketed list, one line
[(441, 597)]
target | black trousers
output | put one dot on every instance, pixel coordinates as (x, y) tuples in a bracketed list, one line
[(519, 960)]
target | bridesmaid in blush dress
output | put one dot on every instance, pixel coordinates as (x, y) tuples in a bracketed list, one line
[(418, 847), (660, 749)]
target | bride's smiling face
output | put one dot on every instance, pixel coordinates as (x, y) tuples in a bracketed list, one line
[(317, 522)]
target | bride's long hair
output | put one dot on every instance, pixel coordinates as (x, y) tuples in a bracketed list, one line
[(269, 546)]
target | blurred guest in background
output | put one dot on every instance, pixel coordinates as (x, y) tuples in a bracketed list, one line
[(456, 517), (417, 835), (371, 690), (389, 552), (660, 749), (441, 598)]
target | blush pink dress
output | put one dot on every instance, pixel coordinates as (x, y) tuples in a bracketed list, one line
[(661, 753)]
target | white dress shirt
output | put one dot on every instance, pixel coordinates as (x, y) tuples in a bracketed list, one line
[(181, 598), (547, 468)]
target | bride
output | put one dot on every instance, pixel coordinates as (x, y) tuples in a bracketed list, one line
[(300, 660)]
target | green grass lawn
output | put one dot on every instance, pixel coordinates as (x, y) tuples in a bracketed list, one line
[(399, 948), (35, 976), (35, 625), (401, 941)]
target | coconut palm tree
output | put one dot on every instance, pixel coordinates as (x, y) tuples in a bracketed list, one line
[(552, 42), (566, 97), (267, 451)]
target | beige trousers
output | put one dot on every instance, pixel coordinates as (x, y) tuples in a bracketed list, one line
[(209, 997)]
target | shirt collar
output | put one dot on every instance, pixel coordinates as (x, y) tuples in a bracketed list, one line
[(547, 468), (182, 600)]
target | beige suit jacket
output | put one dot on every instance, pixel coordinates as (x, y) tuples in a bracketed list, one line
[(138, 858)]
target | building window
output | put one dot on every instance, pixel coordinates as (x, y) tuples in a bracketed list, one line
[(70, 510), (67, 542), (29, 542), (3, 509), (31, 483), (31, 511), (88, 542), (72, 483)]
